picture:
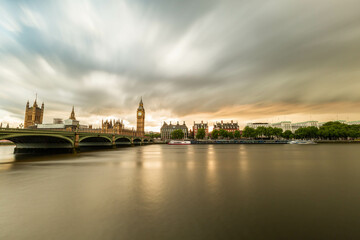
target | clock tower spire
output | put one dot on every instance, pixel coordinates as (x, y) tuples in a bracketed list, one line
[(140, 116)]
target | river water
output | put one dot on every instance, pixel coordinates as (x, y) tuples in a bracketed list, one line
[(183, 192)]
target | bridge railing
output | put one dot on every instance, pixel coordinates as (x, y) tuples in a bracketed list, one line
[(126, 132)]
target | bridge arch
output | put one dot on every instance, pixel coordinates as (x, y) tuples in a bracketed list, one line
[(123, 139), (31, 140), (95, 138), (95, 141)]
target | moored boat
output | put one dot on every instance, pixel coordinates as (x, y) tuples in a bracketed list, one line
[(302, 142), (174, 142)]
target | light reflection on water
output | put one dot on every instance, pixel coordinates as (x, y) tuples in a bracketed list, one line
[(182, 192), (6, 154)]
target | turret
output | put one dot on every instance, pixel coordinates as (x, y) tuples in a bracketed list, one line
[(35, 103), (42, 112)]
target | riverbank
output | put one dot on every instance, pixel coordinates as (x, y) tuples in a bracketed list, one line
[(337, 141), (257, 141), (239, 141)]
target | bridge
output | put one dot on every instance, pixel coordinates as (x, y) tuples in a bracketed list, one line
[(31, 140)]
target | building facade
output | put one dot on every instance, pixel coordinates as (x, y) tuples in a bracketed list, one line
[(258, 124), (284, 125), (167, 129), (353, 123), (201, 125), (229, 126), (140, 116), (33, 115), (287, 125), (296, 126), (70, 124), (112, 126)]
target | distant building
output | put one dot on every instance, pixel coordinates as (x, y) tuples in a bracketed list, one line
[(229, 126), (58, 123), (296, 126), (72, 123), (353, 123), (33, 115), (115, 126), (258, 124), (201, 125), (284, 125), (167, 129)]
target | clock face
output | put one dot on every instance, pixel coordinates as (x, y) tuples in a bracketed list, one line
[(139, 114)]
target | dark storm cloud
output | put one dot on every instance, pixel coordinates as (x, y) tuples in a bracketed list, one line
[(181, 56)]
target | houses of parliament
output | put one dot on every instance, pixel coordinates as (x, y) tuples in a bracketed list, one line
[(33, 115), (34, 119)]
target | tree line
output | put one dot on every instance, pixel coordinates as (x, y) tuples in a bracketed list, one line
[(329, 131), (153, 135)]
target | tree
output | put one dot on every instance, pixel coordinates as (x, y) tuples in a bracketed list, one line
[(260, 131), (337, 130), (200, 134), (287, 134), (312, 132), (277, 132), (191, 134), (269, 132), (230, 135), (215, 134), (237, 134), (307, 132), (249, 132), (177, 134), (223, 133), (153, 135)]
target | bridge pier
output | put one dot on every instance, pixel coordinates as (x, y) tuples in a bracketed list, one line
[(76, 140)]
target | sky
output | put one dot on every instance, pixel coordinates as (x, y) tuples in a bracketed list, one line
[(189, 60)]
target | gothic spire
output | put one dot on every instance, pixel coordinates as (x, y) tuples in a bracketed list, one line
[(72, 115)]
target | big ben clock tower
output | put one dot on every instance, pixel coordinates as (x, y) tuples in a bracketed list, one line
[(140, 116)]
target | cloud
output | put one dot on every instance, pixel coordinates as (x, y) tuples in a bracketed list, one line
[(184, 57)]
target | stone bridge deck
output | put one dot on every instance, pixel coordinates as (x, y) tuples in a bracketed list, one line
[(25, 139)]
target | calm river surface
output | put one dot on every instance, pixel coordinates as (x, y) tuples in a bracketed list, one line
[(183, 192)]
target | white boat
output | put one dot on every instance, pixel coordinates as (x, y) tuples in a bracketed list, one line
[(174, 142), (302, 142)]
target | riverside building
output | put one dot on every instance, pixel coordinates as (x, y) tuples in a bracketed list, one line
[(258, 124), (287, 125), (296, 126), (284, 125), (228, 126), (167, 129), (201, 125)]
